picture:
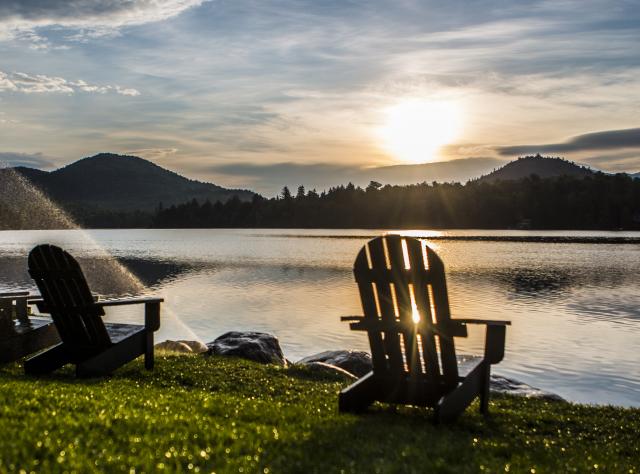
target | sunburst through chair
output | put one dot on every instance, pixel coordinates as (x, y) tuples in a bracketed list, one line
[(411, 333)]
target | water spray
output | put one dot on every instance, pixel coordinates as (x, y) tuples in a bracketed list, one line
[(26, 207)]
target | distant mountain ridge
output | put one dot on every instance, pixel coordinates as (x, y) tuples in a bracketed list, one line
[(543, 167), (112, 182)]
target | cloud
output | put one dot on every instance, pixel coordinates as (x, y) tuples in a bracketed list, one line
[(30, 160), (152, 153), (270, 178), (605, 140), (87, 17), (275, 81), (616, 163), (40, 83)]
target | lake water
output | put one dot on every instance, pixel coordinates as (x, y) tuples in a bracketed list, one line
[(574, 304)]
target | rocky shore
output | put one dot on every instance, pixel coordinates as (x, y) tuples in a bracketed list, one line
[(265, 348)]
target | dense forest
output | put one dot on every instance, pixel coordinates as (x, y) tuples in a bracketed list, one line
[(597, 201)]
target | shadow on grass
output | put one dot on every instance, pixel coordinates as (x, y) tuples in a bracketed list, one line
[(389, 439)]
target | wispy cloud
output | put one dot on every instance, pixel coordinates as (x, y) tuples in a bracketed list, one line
[(270, 178), (40, 83), (31, 160), (152, 153), (605, 140), (87, 18), (621, 162), (263, 82)]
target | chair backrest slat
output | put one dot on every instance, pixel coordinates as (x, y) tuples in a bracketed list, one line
[(402, 279), (369, 305), (385, 298), (68, 298)]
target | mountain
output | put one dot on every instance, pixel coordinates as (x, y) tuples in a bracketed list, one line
[(270, 178), (459, 170), (123, 183), (635, 175), (543, 167)]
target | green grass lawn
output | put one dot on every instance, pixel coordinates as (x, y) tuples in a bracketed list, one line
[(204, 414)]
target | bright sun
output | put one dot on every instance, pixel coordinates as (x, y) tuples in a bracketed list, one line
[(414, 130)]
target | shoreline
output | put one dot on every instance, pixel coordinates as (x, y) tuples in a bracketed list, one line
[(349, 363)]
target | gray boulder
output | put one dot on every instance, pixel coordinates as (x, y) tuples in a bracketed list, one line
[(357, 363), (181, 346), (256, 346), (173, 346), (196, 346), (330, 369), (501, 384)]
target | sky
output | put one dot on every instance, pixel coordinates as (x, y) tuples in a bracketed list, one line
[(262, 93)]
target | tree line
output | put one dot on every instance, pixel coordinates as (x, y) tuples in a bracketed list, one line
[(597, 201)]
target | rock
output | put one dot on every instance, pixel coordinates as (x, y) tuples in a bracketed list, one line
[(173, 346), (501, 384), (257, 346), (196, 346), (330, 369), (357, 363)]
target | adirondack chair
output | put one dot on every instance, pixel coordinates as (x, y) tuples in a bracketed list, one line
[(406, 316), (22, 334), (94, 347)]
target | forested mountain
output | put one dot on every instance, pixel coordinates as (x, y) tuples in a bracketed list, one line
[(543, 167), (596, 201), (123, 191), (109, 182)]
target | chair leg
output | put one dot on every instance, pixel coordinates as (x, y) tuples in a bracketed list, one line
[(113, 357), (484, 394), (148, 353), (47, 361), (453, 404), (358, 396)]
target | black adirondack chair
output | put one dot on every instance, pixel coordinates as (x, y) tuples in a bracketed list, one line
[(406, 315), (94, 347)]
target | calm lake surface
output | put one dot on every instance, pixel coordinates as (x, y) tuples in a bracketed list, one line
[(575, 306)]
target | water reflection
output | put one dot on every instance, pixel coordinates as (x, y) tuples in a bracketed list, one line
[(575, 307), (531, 283), (151, 273)]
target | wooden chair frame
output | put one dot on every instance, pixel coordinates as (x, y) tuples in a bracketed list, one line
[(94, 347), (411, 333)]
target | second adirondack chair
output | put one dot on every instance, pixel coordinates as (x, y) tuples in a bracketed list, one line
[(22, 334), (406, 316), (94, 347)]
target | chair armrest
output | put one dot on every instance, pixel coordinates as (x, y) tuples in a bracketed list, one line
[(487, 322), (494, 338), (151, 309), (12, 294), (125, 301), (351, 318)]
